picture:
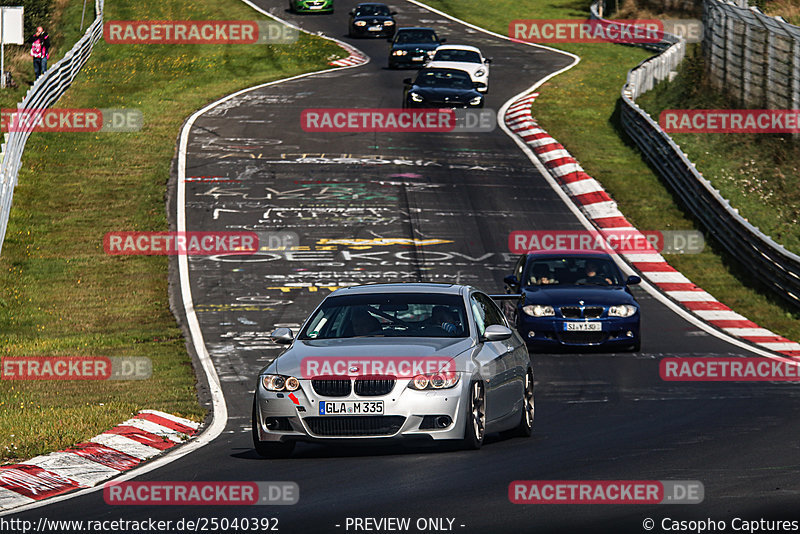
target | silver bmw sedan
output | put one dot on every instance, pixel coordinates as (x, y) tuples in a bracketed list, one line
[(387, 361)]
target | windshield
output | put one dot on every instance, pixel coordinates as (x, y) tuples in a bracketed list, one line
[(416, 36), (388, 315), (451, 79), (572, 271), (372, 11), (463, 56)]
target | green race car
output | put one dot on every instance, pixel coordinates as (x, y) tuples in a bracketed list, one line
[(311, 6)]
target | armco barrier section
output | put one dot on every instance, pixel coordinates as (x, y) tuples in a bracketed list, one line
[(45, 92), (767, 260)]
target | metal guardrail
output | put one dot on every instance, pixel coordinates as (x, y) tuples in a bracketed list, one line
[(751, 56), (766, 260), (44, 92)]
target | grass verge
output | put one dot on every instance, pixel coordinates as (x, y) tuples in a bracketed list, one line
[(579, 108), (59, 293)]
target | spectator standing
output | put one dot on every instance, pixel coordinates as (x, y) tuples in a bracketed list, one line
[(40, 50)]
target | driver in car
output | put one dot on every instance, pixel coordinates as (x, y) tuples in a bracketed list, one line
[(365, 324), (444, 319), (592, 276)]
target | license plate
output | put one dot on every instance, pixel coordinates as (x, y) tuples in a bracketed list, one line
[(418, 58), (583, 327), (350, 407), (375, 28)]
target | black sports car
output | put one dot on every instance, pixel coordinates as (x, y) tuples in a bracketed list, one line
[(441, 88), (372, 20), (412, 47)]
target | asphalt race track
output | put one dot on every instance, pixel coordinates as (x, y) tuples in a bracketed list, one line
[(439, 207)]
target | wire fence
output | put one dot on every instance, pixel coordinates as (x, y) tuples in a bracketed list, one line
[(44, 92), (751, 56)]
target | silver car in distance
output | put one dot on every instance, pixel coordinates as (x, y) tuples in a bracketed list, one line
[(385, 361)]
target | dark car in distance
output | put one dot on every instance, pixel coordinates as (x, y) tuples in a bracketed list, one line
[(441, 88), (412, 47), (372, 20), (573, 299)]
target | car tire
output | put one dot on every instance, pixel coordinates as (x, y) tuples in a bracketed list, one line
[(525, 426), (475, 427), (267, 449)]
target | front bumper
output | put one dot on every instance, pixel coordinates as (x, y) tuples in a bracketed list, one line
[(364, 31), (403, 412), (408, 61), (544, 332), (313, 6)]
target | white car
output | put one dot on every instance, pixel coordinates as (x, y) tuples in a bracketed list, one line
[(466, 58)]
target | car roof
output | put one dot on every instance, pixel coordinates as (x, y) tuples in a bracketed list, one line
[(371, 4), (406, 287), (441, 69), (574, 253), (416, 28), (459, 47)]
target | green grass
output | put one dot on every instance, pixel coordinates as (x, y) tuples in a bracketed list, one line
[(59, 293), (579, 108), (758, 173)]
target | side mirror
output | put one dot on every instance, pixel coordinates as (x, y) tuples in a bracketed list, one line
[(442, 41), (389, 40), (497, 332), (394, 12), (511, 280), (487, 60), (408, 81), (478, 85), (633, 280), (352, 11), (282, 336)]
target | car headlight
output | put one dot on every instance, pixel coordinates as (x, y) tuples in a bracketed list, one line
[(416, 97), (400, 52), (360, 23), (476, 101), (623, 310), (480, 72), (434, 381), (280, 383), (431, 53), (388, 23), (537, 310)]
